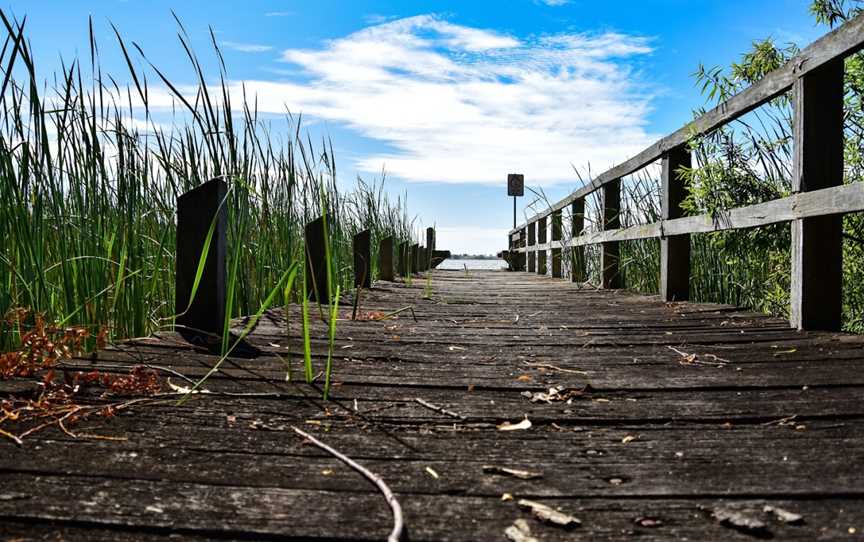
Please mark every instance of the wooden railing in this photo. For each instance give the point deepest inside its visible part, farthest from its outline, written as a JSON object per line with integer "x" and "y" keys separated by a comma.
{"x": 815, "y": 77}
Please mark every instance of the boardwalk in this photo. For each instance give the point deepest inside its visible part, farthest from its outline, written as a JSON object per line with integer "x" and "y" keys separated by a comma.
{"x": 673, "y": 417}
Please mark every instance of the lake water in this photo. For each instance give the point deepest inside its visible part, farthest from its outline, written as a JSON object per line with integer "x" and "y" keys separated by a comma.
{"x": 472, "y": 264}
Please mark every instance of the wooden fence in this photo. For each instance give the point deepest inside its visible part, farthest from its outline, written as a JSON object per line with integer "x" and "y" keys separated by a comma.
{"x": 815, "y": 209}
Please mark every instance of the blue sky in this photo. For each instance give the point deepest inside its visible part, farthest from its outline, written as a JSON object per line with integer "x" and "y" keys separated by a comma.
{"x": 449, "y": 96}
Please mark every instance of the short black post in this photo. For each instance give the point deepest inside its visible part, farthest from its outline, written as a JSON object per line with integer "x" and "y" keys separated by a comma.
{"x": 363, "y": 259}
{"x": 317, "y": 284}
{"x": 578, "y": 272}
{"x": 402, "y": 259}
{"x": 196, "y": 212}
{"x": 413, "y": 259}
{"x": 430, "y": 246}
{"x": 385, "y": 259}
{"x": 530, "y": 249}
{"x": 610, "y": 275}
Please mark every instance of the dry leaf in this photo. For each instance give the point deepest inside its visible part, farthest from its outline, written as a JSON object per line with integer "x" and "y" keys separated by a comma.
{"x": 507, "y": 497}
{"x": 549, "y": 515}
{"x": 519, "y": 532}
{"x": 518, "y": 473}
{"x": 525, "y": 378}
{"x": 432, "y": 473}
{"x": 507, "y": 426}
{"x": 628, "y": 439}
{"x": 646, "y": 521}
{"x": 740, "y": 521}
{"x": 784, "y": 515}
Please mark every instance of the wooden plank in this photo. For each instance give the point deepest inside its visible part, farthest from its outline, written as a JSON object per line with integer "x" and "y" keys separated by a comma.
{"x": 363, "y": 259}
{"x": 674, "y": 249}
{"x": 317, "y": 280}
{"x": 817, "y": 242}
{"x": 837, "y": 44}
{"x": 385, "y": 259}
{"x": 197, "y": 211}
{"x": 610, "y": 276}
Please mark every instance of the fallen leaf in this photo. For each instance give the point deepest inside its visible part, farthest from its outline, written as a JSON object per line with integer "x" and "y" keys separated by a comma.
{"x": 740, "y": 521}
{"x": 549, "y": 515}
{"x": 628, "y": 439}
{"x": 784, "y": 515}
{"x": 518, "y": 473}
{"x": 519, "y": 532}
{"x": 507, "y": 426}
{"x": 327, "y": 472}
{"x": 647, "y": 521}
{"x": 525, "y": 378}
{"x": 432, "y": 473}
{"x": 507, "y": 497}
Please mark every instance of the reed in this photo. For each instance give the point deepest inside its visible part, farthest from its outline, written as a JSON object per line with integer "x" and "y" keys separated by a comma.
{"x": 90, "y": 171}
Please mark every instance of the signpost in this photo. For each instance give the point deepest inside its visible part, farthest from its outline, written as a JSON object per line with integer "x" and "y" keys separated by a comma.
{"x": 515, "y": 188}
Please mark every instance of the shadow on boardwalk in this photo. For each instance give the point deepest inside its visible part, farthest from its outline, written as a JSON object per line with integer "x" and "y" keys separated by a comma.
{"x": 668, "y": 416}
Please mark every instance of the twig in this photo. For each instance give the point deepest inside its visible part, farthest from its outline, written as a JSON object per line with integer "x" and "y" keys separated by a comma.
{"x": 554, "y": 367}
{"x": 394, "y": 313}
{"x": 444, "y": 411}
{"x": 396, "y": 535}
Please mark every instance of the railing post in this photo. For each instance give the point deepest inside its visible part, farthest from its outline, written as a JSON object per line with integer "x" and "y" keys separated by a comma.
{"x": 542, "y": 239}
{"x": 402, "y": 259}
{"x": 675, "y": 249}
{"x": 196, "y": 212}
{"x": 430, "y": 246}
{"x": 363, "y": 259}
{"x": 385, "y": 259}
{"x": 609, "y": 272}
{"x": 817, "y": 242}
{"x": 317, "y": 283}
{"x": 556, "y": 237}
{"x": 577, "y": 254}
{"x": 530, "y": 250}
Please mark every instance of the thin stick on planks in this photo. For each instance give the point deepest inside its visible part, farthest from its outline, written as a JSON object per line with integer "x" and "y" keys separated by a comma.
{"x": 397, "y": 534}
{"x": 439, "y": 409}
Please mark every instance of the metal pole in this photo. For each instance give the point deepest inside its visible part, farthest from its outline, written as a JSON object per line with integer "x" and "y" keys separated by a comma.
{"x": 514, "y": 212}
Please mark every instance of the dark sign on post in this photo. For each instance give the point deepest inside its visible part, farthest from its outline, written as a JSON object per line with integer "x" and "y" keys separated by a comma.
{"x": 515, "y": 184}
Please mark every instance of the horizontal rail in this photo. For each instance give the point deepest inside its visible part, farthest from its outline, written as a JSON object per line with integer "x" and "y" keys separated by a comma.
{"x": 839, "y": 43}
{"x": 827, "y": 201}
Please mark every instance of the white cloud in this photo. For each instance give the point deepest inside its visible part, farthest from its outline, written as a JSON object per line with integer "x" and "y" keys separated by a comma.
{"x": 246, "y": 47}
{"x": 279, "y": 13}
{"x": 459, "y": 104}
{"x": 554, "y": 2}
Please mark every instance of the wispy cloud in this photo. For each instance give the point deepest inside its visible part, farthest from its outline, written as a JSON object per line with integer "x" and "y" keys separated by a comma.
{"x": 462, "y": 104}
{"x": 279, "y": 13}
{"x": 552, "y": 2}
{"x": 246, "y": 47}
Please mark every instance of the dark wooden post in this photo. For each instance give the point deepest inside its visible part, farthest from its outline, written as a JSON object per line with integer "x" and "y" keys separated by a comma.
{"x": 542, "y": 239}
{"x": 577, "y": 254}
{"x": 530, "y": 249}
{"x": 430, "y": 246}
{"x": 317, "y": 283}
{"x": 413, "y": 259}
{"x": 196, "y": 211}
{"x": 363, "y": 259}
{"x": 675, "y": 249}
{"x": 610, "y": 276}
{"x": 556, "y": 236}
{"x": 385, "y": 259}
{"x": 402, "y": 259}
{"x": 817, "y": 243}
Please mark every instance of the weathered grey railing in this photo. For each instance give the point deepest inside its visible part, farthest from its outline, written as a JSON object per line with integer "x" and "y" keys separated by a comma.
{"x": 815, "y": 209}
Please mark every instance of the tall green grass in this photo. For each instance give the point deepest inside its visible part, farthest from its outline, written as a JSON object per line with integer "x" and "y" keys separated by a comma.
{"x": 90, "y": 169}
